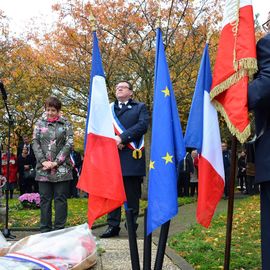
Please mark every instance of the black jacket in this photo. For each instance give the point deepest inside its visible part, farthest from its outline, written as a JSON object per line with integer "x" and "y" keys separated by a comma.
{"x": 134, "y": 118}
{"x": 259, "y": 101}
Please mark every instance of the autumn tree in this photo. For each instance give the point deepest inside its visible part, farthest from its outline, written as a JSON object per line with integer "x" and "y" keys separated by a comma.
{"x": 25, "y": 86}
{"x": 59, "y": 62}
{"x": 126, "y": 32}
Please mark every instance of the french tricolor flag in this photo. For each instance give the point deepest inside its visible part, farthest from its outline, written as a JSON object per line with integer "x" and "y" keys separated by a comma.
{"x": 203, "y": 133}
{"x": 101, "y": 175}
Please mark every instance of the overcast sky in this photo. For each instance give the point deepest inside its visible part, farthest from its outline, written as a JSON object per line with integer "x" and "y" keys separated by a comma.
{"x": 21, "y": 11}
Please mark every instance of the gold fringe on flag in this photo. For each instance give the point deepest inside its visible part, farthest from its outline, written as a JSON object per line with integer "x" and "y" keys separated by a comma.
{"x": 241, "y": 136}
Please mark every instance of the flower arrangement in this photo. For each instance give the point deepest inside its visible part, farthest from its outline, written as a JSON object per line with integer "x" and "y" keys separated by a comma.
{"x": 30, "y": 200}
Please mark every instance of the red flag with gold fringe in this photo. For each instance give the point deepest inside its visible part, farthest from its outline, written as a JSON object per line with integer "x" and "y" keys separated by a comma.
{"x": 235, "y": 61}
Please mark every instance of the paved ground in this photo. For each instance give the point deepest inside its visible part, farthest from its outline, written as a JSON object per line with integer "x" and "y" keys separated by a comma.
{"x": 185, "y": 218}
{"x": 116, "y": 255}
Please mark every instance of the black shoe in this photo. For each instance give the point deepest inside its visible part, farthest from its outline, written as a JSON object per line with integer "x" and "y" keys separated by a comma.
{"x": 110, "y": 232}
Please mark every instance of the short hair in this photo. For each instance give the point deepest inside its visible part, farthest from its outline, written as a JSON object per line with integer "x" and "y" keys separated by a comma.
{"x": 130, "y": 87}
{"x": 53, "y": 102}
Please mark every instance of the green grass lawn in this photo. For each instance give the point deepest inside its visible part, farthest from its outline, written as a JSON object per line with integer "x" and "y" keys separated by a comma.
{"x": 204, "y": 248}
{"x": 77, "y": 213}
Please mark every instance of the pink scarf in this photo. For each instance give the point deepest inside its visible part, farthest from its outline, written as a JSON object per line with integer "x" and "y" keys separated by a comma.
{"x": 53, "y": 119}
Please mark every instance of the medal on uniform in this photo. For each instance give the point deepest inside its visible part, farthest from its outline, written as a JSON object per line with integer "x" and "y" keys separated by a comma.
{"x": 137, "y": 154}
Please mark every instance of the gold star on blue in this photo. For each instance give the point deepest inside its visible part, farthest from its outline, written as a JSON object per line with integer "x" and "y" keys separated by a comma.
{"x": 168, "y": 158}
{"x": 151, "y": 165}
{"x": 166, "y": 91}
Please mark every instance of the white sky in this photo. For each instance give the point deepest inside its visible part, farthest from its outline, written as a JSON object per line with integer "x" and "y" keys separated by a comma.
{"x": 21, "y": 11}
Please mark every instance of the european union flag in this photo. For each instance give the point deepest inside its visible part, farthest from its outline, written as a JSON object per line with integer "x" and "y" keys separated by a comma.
{"x": 167, "y": 146}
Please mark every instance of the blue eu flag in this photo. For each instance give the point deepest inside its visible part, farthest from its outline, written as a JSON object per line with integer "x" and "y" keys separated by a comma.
{"x": 167, "y": 146}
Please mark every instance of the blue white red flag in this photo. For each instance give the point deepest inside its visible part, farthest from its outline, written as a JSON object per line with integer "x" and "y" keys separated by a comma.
{"x": 203, "y": 134}
{"x": 101, "y": 175}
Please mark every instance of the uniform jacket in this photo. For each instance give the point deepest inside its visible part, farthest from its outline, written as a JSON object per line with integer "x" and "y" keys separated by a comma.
{"x": 259, "y": 101}
{"x": 13, "y": 167}
{"x": 134, "y": 117}
{"x": 52, "y": 141}
{"x": 186, "y": 165}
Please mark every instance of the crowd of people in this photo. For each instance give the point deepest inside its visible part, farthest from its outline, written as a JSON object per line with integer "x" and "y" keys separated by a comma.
{"x": 188, "y": 172}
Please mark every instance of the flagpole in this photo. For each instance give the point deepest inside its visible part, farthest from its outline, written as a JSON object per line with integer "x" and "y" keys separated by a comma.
{"x": 164, "y": 231}
{"x": 92, "y": 20}
{"x": 147, "y": 245}
{"x": 230, "y": 205}
{"x": 133, "y": 247}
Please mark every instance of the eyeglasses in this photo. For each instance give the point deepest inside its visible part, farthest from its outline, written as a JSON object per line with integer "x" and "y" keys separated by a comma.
{"x": 121, "y": 87}
{"x": 266, "y": 26}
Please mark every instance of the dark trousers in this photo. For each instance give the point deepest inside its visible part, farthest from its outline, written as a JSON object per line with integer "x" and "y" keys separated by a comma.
{"x": 242, "y": 180}
{"x": 73, "y": 191}
{"x": 193, "y": 188}
{"x": 227, "y": 181}
{"x": 183, "y": 184}
{"x": 59, "y": 192}
{"x": 132, "y": 186}
{"x": 28, "y": 185}
{"x": 265, "y": 225}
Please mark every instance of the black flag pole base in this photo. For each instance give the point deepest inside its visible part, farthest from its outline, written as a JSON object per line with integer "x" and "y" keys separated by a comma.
{"x": 7, "y": 234}
{"x": 147, "y": 245}
{"x": 132, "y": 238}
{"x": 164, "y": 231}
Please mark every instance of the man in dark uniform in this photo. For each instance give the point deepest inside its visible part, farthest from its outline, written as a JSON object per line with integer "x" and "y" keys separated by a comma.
{"x": 227, "y": 165}
{"x": 130, "y": 121}
{"x": 259, "y": 101}
{"x": 186, "y": 168}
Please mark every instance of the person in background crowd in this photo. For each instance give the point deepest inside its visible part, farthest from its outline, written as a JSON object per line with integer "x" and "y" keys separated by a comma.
{"x": 26, "y": 143}
{"x": 52, "y": 143}
{"x": 13, "y": 170}
{"x": 133, "y": 119}
{"x": 185, "y": 170}
{"x": 76, "y": 161}
{"x": 194, "y": 175}
{"x": 252, "y": 188}
{"x": 26, "y": 166}
{"x": 227, "y": 166}
{"x": 259, "y": 101}
{"x": 242, "y": 175}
